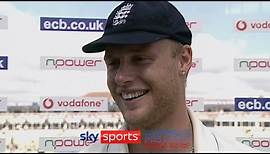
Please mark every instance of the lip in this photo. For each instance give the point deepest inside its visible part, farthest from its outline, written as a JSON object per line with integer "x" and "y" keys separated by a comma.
{"x": 134, "y": 103}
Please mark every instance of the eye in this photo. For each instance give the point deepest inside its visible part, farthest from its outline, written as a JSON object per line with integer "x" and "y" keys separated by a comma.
{"x": 142, "y": 59}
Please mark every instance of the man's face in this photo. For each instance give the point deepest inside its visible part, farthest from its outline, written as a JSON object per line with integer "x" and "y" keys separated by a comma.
{"x": 144, "y": 81}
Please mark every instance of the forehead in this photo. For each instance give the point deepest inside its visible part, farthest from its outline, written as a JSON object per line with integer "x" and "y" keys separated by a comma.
{"x": 112, "y": 50}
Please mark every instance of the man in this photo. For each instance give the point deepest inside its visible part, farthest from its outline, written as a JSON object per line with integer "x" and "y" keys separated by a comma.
{"x": 148, "y": 57}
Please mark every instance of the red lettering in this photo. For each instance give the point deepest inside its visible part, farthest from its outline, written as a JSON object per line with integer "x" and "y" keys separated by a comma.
{"x": 73, "y": 62}
{"x": 70, "y": 61}
{"x": 190, "y": 102}
{"x": 120, "y": 136}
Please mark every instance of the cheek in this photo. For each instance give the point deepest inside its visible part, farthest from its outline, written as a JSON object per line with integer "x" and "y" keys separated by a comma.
{"x": 165, "y": 79}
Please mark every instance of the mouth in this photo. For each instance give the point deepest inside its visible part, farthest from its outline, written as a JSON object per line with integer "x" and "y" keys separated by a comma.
{"x": 132, "y": 95}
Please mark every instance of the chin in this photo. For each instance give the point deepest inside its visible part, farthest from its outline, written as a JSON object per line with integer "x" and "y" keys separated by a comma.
{"x": 135, "y": 121}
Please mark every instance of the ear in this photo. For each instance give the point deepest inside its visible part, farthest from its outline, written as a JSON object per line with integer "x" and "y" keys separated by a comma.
{"x": 185, "y": 60}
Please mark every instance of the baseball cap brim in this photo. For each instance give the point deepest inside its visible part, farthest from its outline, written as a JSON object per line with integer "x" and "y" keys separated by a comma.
{"x": 138, "y": 37}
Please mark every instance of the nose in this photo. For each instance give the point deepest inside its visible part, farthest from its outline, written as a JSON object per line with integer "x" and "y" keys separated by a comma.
{"x": 124, "y": 74}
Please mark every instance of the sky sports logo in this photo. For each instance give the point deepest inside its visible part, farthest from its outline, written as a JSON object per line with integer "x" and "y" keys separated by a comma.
{"x": 64, "y": 144}
{"x": 74, "y": 104}
{"x": 252, "y": 104}
{"x": 252, "y": 25}
{"x": 72, "y": 63}
{"x": 113, "y": 136}
{"x": 3, "y": 22}
{"x": 252, "y": 64}
{"x": 151, "y": 139}
{"x": 3, "y": 62}
{"x": 72, "y": 24}
{"x": 136, "y": 136}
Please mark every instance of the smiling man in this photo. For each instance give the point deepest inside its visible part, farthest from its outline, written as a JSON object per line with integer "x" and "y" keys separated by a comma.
{"x": 145, "y": 81}
{"x": 148, "y": 57}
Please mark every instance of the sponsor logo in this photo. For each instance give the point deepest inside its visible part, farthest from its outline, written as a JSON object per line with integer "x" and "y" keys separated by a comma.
{"x": 3, "y": 62}
{"x": 89, "y": 136}
{"x": 120, "y": 136}
{"x": 64, "y": 144}
{"x": 252, "y": 104}
{"x": 122, "y": 14}
{"x": 3, "y": 104}
{"x": 48, "y": 103}
{"x": 74, "y": 104}
{"x": 255, "y": 64}
{"x": 72, "y": 63}
{"x": 3, "y": 22}
{"x": 72, "y": 24}
{"x": 252, "y": 25}
{"x": 241, "y": 25}
{"x": 259, "y": 143}
{"x": 195, "y": 104}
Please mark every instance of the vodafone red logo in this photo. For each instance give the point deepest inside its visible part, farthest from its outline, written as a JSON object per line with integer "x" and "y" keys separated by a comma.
{"x": 48, "y": 103}
{"x": 64, "y": 103}
{"x": 241, "y": 25}
{"x": 252, "y": 25}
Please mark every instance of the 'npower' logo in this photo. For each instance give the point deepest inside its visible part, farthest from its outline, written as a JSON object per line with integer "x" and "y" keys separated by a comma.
{"x": 252, "y": 25}
{"x": 252, "y": 64}
{"x": 65, "y": 144}
{"x": 73, "y": 104}
{"x": 72, "y": 63}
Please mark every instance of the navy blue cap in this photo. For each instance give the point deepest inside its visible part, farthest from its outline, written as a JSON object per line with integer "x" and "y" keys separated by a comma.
{"x": 138, "y": 22}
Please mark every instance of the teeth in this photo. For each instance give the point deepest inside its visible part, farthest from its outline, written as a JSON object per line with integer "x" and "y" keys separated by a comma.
{"x": 132, "y": 95}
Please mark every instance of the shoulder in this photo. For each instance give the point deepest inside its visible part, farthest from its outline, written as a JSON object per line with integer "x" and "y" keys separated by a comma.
{"x": 229, "y": 145}
{"x": 209, "y": 140}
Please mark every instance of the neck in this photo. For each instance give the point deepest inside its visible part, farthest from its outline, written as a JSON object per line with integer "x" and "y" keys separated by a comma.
{"x": 177, "y": 125}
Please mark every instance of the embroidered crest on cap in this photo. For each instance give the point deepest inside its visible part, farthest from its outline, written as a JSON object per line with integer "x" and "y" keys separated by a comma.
{"x": 122, "y": 14}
